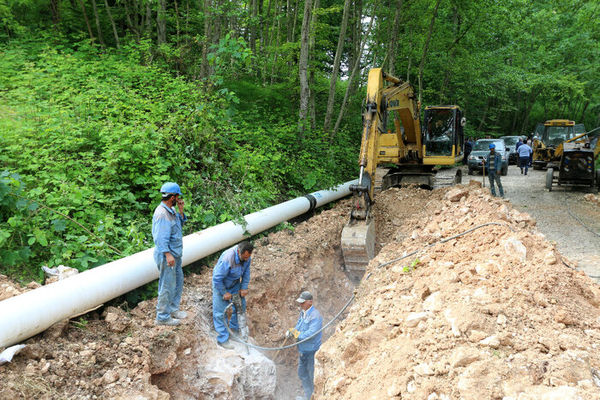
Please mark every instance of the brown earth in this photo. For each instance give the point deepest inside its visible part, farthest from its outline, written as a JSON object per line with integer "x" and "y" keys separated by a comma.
{"x": 493, "y": 313}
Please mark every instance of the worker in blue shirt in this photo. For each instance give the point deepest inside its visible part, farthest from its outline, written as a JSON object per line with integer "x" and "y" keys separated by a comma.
{"x": 168, "y": 241}
{"x": 524, "y": 157}
{"x": 309, "y": 323}
{"x": 230, "y": 276}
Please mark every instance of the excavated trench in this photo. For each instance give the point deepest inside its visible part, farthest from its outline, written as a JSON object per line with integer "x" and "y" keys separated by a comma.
{"x": 284, "y": 264}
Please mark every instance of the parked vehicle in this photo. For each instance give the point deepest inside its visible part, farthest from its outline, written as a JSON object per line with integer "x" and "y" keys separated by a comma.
{"x": 511, "y": 146}
{"x": 481, "y": 148}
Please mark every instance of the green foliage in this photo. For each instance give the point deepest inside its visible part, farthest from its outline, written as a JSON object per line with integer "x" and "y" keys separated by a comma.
{"x": 81, "y": 323}
{"x": 409, "y": 268}
{"x": 88, "y": 137}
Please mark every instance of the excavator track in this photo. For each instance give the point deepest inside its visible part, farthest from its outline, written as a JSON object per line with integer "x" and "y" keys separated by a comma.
{"x": 447, "y": 177}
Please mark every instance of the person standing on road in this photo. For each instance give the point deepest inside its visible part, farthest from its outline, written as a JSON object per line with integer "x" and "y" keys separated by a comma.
{"x": 530, "y": 144}
{"x": 519, "y": 143}
{"x": 168, "y": 240}
{"x": 309, "y": 323}
{"x": 493, "y": 165}
{"x": 524, "y": 157}
{"x": 467, "y": 150}
{"x": 231, "y": 275}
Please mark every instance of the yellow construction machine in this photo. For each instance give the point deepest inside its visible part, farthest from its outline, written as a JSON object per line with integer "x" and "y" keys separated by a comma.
{"x": 411, "y": 150}
{"x": 549, "y": 139}
{"x": 577, "y": 162}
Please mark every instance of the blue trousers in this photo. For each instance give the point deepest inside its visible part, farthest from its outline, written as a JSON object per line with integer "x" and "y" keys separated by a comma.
{"x": 219, "y": 306}
{"x": 524, "y": 163}
{"x": 170, "y": 288}
{"x": 306, "y": 372}
{"x": 495, "y": 177}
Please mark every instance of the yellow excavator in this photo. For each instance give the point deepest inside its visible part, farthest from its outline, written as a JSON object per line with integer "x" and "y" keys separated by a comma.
{"x": 412, "y": 151}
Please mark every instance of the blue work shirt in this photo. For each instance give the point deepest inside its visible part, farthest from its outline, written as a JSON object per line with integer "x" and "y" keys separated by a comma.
{"x": 229, "y": 271}
{"x": 497, "y": 162}
{"x": 167, "y": 232}
{"x": 310, "y": 321}
{"x": 525, "y": 151}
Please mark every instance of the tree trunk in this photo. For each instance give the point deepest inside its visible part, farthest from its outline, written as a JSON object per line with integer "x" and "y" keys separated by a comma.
{"x": 277, "y": 42}
{"x": 311, "y": 79}
{"x": 87, "y": 21}
{"x": 426, "y": 47}
{"x": 176, "y": 20}
{"x": 452, "y": 56}
{"x": 303, "y": 69}
{"x": 336, "y": 66}
{"x": 288, "y": 19}
{"x": 294, "y": 21}
{"x": 530, "y": 102}
{"x": 161, "y": 23}
{"x": 112, "y": 23}
{"x": 55, "y": 9}
{"x": 393, "y": 45}
{"x": 485, "y": 111}
{"x": 148, "y": 19}
{"x": 585, "y": 106}
{"x": 132, "y": 27}
{"x": 98, "y": 28}
{"x": 353, "y": 74}
{"x": 205, "y": 43}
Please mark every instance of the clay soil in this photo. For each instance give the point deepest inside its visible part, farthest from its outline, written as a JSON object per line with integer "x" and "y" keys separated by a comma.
{"x": 496, "y": 313}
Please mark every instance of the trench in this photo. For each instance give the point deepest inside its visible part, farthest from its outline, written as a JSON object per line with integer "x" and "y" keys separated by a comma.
{"x": 284, "y": 264}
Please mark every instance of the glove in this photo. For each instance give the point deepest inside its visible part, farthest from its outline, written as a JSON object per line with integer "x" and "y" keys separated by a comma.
{"x": 292, "y": 332}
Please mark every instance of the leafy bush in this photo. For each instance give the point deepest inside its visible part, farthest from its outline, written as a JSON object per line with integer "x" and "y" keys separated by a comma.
{"x": 88, "y": 137}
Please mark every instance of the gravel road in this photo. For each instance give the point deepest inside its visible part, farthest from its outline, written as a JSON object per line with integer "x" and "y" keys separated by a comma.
{"x": 563, "y": 215}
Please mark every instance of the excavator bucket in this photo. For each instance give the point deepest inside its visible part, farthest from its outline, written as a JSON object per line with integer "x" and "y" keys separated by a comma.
{"x": 358, "y": 245}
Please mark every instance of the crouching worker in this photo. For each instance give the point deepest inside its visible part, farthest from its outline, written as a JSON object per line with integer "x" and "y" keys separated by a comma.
{"x": 309, "y": 323}
{"x": 230, "y": 276}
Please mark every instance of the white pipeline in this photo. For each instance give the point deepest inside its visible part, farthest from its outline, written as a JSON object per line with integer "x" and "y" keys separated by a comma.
{"x": 33, "y": 312}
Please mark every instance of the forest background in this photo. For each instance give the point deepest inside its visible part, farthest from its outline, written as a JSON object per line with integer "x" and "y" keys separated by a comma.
{"x": 244, "y": 103}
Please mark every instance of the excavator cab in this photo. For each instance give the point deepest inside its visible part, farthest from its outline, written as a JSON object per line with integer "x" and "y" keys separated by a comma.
{"x": 443, "y": 135}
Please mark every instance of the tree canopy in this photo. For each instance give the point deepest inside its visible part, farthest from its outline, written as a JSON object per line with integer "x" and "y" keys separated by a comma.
{"x": 246, "y": 103}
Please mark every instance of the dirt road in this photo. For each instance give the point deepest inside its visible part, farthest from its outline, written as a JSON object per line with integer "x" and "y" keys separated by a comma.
{"x": 563, "y": 215}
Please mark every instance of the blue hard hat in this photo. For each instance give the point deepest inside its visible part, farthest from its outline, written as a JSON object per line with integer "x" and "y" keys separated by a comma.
{"x": 171, "y": 188}
{"x": 492, "y": 146}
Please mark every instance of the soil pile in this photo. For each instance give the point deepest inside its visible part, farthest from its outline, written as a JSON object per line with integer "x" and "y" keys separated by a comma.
{"x": 494, "y": 314}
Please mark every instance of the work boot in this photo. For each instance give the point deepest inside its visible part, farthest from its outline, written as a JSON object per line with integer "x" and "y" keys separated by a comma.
{"x": 521, "y": 171}
{"x": 168, "y": 322}
{"x": 235, "y": 333}
{"x": 226, "y": 345}
{"x": 179, "y": 314}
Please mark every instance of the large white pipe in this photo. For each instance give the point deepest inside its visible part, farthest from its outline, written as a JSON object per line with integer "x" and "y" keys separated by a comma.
{"x": 33, "y": 312}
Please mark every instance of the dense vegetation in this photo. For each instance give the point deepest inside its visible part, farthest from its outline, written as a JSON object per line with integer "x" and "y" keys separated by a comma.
{"x": 245, "y": 103}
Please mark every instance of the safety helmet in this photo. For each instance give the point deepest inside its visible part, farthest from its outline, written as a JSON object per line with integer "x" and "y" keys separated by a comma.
{"x": 492, "y": 146}
{"x": 171, "y": 188}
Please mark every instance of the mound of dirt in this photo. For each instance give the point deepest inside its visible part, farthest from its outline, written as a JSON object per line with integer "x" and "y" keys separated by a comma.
{"x": 496, "y": 313}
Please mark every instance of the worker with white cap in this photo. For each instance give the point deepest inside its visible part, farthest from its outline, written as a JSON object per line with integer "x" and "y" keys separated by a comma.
{"x": 309, "y": 323}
